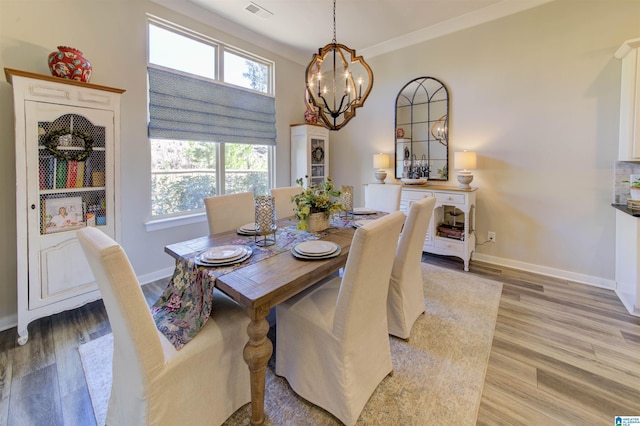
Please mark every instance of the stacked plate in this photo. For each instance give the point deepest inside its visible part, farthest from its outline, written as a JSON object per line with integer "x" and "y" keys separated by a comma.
{"x": 248, "y": 229}
{"x": 363, "y": 210}
{"x": 359, "y": 223}
{"x": 314, "y": 250}
{"x": 224, "y": 255}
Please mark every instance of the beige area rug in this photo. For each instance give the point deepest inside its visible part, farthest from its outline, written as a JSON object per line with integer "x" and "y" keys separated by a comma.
{"x": 438, "y": 374}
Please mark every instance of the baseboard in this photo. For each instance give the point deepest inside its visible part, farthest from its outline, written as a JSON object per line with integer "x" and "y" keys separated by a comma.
{"x": 155, "y": 276}
{"x": 8, "y": 322}
{"x": 550, "y": 272}
{"x": 11, "y": 321}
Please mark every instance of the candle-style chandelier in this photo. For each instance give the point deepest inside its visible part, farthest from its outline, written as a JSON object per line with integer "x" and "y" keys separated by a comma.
{"x": 338, "y": 82}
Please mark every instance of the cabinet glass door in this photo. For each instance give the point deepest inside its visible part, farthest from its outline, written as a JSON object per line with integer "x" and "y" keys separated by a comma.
{"x": 69, "y": 187}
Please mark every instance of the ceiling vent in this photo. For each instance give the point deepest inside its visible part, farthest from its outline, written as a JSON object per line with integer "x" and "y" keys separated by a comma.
{"x": 258, "y": 10}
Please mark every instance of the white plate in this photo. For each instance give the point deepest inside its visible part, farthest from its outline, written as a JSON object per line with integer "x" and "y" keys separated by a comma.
{"x": 359, "y": 223}
{"x": 363, "y": 210}
{"x": 249, "y": 227}
{"x": 202, "y": 262}
{"x": 316, "y": 248}
{"x": 223, "y": 253}
{"x": 307, "y": 257}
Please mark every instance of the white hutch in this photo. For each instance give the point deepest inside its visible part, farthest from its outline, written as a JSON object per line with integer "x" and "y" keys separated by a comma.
{"x": 309, "y": 153}
{"x": 66, "y": 143}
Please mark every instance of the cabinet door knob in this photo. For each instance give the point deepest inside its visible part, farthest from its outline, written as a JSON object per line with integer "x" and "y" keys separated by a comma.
{"x": 33, "y": 206}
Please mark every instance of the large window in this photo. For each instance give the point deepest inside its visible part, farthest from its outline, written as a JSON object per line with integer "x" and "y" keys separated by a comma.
{"x": 211, "y": 120}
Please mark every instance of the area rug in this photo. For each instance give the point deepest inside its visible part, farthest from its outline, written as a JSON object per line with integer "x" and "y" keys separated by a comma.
{"x": 438, "y": 374}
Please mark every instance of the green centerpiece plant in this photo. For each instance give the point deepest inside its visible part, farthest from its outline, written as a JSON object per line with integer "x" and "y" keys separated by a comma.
{"x": 323, "y": 199}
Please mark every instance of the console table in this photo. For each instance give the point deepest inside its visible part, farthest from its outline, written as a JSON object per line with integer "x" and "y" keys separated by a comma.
{"x": 452, "y": 228}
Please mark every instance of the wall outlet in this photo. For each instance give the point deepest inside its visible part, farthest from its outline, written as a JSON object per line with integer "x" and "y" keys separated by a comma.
{"x": 492, "y": 236}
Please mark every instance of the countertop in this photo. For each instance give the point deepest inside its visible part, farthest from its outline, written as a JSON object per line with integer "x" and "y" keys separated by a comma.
{"x": 627, "y": 210}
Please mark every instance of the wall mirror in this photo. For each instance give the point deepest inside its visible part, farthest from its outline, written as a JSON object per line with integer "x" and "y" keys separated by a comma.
{"x": 422, "y": 128}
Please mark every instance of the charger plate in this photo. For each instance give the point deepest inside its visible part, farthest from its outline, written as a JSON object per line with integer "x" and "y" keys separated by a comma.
{"x": 316, "y": 248}
{"x": 325, "y": 256}
{"x": 363, "y": 210}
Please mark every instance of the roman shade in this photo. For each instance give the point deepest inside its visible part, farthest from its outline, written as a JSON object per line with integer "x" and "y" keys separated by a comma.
{"x": 186, "y": 107}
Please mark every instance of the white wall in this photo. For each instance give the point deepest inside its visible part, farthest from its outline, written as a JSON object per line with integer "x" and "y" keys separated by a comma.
{"x": 112, "y": 35}
{"x": 536, "y": 94}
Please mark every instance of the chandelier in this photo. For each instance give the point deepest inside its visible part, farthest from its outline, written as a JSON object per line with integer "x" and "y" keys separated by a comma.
{"x": 338, "y": 82}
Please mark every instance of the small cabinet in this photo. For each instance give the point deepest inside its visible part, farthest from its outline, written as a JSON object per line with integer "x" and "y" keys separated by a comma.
{"x": 452, "y": 228}
{"x": 66, "y": 140}
{"x": 309, "y": 153}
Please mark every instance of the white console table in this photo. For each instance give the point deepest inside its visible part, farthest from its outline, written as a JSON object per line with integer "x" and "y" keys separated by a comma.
{"x": 454, "y": 206}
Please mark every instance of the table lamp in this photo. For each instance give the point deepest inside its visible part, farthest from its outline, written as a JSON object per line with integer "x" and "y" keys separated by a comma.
{"x": 465, "y": 161}
{"x": 380, "y": 162}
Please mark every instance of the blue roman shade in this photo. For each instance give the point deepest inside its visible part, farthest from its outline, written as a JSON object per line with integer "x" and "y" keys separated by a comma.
{"x": 184, "y": 107}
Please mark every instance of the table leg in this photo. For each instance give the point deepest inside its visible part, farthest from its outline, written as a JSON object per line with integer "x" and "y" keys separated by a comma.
{"x": 256, "y": 354}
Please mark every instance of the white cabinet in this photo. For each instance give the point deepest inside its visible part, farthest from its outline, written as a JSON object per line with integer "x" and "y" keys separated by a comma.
{"x": 309, "y": 153}
{"x": 629, "y": 136}
{"x": 628, "y": 261}
{"x": 452, "y": 228}
{"x": 67, "y": 142}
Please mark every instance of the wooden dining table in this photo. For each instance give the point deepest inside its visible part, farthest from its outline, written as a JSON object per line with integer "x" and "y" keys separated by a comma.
{"x": 260, "y": 286}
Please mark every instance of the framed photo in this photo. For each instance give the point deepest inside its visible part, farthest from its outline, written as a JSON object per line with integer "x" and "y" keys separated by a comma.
{"x": 63, "y": 214}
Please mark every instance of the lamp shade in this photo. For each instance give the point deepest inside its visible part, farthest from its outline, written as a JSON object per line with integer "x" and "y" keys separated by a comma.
{"x": 465, "y": 160}
{"x": 380, "y": 161}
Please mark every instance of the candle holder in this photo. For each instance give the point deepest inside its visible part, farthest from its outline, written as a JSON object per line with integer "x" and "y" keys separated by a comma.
{"x": 346, "y": 198}
{"x": 265, "y": 220}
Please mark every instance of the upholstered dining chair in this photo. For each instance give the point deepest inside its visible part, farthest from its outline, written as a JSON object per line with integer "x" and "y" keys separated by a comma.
{"x": 153, "y": 383}
{"x": 333, "y": 343}
{"x": 230, "y": 211}
{"x": 383, "y": 197}
{"x": 282, "y": 200}
{"x": 405, "y": 302}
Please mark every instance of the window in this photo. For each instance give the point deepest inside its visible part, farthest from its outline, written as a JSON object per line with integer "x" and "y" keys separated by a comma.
{"x": 211, "y": 120}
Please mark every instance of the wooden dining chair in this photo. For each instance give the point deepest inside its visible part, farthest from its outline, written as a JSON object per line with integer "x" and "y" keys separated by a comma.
{"x": 204, "y": 382}
{"x": 282, "y": 200}
{"x": 332, "y": 339}
{"x": 405, "y": 302}
{"x": 383, "y": 197}
{"x": 230, "y": 211}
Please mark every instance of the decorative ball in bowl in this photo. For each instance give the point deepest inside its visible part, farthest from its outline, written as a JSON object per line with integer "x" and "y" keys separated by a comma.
{"x": 419, "y": 181}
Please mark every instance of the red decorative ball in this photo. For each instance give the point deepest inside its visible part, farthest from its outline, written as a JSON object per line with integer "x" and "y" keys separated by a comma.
{"x": 69, "y": 63}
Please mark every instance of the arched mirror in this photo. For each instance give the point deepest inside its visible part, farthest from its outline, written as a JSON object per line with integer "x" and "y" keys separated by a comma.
{"x": 422, "y": 127}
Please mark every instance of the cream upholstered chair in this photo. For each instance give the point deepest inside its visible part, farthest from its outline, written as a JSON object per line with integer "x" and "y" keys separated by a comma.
{"x": 230, "y": 211}
{"x": 332, "y": 339}
{"x": 153, "y": 383}
{"x": 282, "y": 199}
{"x": 383, "y": 197}
{"x": 405, "y": 302}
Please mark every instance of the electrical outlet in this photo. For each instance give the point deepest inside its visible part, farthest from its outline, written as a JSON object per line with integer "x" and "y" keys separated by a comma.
{"x": 492, "y": 236}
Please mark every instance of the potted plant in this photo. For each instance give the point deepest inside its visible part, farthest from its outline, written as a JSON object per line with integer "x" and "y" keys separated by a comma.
{"x": 315, "y": 204}
{"x": 634, "y": 186}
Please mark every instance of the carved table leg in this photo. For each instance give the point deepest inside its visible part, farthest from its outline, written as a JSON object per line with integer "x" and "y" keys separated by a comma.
{"x": 256, "y": 354}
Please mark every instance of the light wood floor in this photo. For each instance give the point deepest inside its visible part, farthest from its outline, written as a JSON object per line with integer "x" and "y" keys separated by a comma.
{"x": 562, "y": 354}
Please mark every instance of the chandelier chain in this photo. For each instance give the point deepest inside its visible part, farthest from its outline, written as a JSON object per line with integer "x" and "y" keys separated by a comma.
{"x": 335, "y": 40}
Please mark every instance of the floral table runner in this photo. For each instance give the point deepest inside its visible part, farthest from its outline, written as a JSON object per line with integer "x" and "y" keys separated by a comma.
{"x": 185, "y": 305}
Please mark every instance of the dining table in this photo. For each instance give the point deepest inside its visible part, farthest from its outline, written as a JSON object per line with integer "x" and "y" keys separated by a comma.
{"x": 273, "y": 276}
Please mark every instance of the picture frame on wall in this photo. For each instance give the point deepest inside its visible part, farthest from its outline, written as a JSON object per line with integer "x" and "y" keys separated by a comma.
{"x": 63, "y": 214}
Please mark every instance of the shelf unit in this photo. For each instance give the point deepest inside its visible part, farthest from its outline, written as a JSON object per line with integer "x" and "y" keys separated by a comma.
{"x": 309, "y": 153}
{"x": 67, "y": 141}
